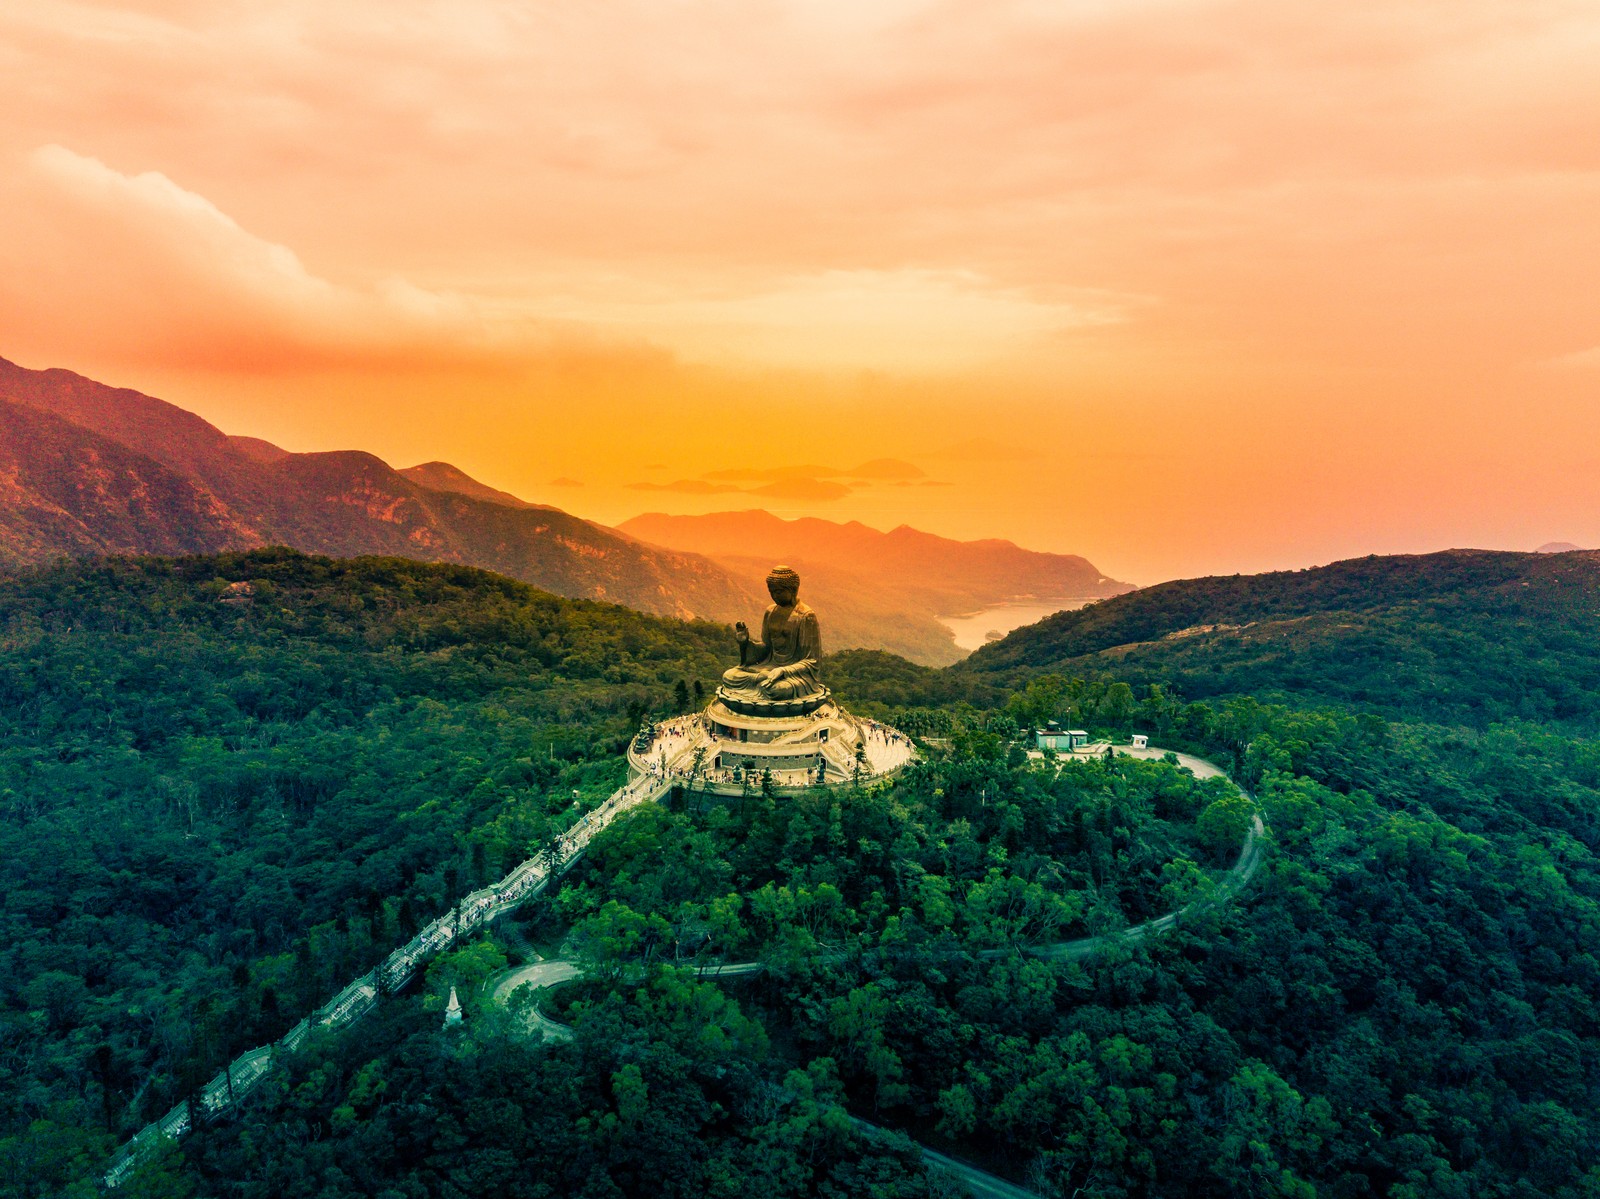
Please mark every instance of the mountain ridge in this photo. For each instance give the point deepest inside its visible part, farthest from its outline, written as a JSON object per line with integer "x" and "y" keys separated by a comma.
{"x": 1457, "y": 636}
{"x": 852, "y": 568}
{"x": 954, "y": 577}
{"x": 442, "y": 476}
{"x": 150, "y": 477}
{"x": 240, "y": 496}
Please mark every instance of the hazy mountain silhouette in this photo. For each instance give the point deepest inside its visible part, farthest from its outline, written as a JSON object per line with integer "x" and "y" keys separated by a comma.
{"x": 945, "y": 576}
{"x": 856, "y": 573}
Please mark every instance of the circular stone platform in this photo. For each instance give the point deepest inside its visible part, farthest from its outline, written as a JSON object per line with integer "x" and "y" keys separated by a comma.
{"x": 823, "y": 746}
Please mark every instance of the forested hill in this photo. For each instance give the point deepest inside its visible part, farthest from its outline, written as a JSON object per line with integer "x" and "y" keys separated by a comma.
{"x": 230, "y": 784}
{"x": 227, "y": 784}
{"x": 410, "y": 628}
{"x": 1464, "y": 636}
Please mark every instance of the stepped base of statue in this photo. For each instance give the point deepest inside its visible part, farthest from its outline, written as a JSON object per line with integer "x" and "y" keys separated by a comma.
{"x": 773, "y": 726}
{"x": 750, "y": 703}
{"x": 732, "y": 750}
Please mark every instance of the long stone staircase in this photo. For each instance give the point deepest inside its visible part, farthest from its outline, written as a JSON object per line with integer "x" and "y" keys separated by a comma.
{"x": 245, "y": 1072}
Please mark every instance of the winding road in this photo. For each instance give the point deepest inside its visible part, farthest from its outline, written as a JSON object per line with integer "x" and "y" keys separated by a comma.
{"x": 544, "y": 974}
{"x": 530, "y": 879}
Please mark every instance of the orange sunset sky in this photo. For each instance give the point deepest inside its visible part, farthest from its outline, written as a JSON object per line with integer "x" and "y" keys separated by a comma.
{"x": 1185, "y": 286}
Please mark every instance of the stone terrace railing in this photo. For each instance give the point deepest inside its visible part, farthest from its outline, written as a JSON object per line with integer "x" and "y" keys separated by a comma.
{"x": 246, "y": 1071}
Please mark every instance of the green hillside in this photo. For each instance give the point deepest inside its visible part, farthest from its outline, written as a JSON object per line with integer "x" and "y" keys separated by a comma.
{"x": 230, "y": 783}
{"x": 227, "y": 784}
{"x": 1464, "y": 636}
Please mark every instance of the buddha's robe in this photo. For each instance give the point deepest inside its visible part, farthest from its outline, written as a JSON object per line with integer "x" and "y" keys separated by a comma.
{"x": 790, "y": 647}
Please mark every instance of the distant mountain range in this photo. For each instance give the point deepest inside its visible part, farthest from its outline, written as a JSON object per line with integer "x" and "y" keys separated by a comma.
{"x": 850, "y": 566}
{"x": 950, "y": 577}
{"x": 1462, "y": 636}
{"x": 90, "y": 469}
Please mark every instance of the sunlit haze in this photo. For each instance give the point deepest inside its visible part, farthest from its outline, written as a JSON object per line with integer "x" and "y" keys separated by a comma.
{"x": 1185, "y": 286}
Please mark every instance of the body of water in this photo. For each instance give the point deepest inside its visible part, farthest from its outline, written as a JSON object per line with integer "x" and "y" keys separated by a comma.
{"x": 973, "y": 630}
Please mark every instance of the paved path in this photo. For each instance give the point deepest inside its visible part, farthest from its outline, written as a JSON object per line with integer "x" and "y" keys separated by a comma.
{"x": 542, "y": 974}
{"x": 359, "y": 997}
{"x": 979, "y": 1183}
{"x": 536, "y": 977}
{"x": 241, "y": 1075}
{"x": 1201, "y": 768}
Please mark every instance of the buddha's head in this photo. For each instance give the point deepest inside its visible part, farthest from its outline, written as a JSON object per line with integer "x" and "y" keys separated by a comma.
{"x": 783, "y": 585}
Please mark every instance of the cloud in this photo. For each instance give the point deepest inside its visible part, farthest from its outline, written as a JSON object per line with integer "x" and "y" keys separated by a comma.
{"x": 907, "y": 319}
{"x": 1220, "y": 230}
{"x": 810, "y": 483}
{"x": 163, "y": 275}
{"x": 1581, "y": 360}
{"x": 877, "y": 469}
{"x": 687, "y": 487}
{"x": 748, "y": 473}
{"x": 914, "y": 186}
{"x": 167, "y": 275}
{"x": 782, "y": 487}
{"x": 884, "y": 469}
{"x": 565, "y": 481}
{"x": 805, "y": 490}
{"x": 179, "y": 279}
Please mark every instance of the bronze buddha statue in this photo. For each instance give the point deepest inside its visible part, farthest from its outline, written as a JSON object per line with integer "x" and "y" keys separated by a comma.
{"x": 783, "y": 664}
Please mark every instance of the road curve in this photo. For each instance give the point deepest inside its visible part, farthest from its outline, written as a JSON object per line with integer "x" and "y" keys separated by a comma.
{"x": 980, "y": 1183}
{"x": 538, "y": 976}
{"x": 529, "y": 879}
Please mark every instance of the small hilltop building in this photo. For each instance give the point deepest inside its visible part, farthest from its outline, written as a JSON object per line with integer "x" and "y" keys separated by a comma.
{"x": 1062, "y": 741}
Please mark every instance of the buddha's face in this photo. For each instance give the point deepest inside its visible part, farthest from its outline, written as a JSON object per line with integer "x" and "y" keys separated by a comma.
{"x": 783, "y": 594}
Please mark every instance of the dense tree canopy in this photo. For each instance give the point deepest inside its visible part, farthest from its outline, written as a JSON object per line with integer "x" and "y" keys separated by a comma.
{"x": 218, "y": 801}
{"x": 229, "y": 784}
{"x": 1465, "y": 637}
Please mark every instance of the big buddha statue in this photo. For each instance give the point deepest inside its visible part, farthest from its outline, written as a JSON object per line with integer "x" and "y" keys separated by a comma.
{"x": 779, "y": 668}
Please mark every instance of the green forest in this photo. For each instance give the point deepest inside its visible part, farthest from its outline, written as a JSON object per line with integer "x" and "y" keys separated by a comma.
{"x": 1459, "y": 637}
{"x": 228, "y": 784}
